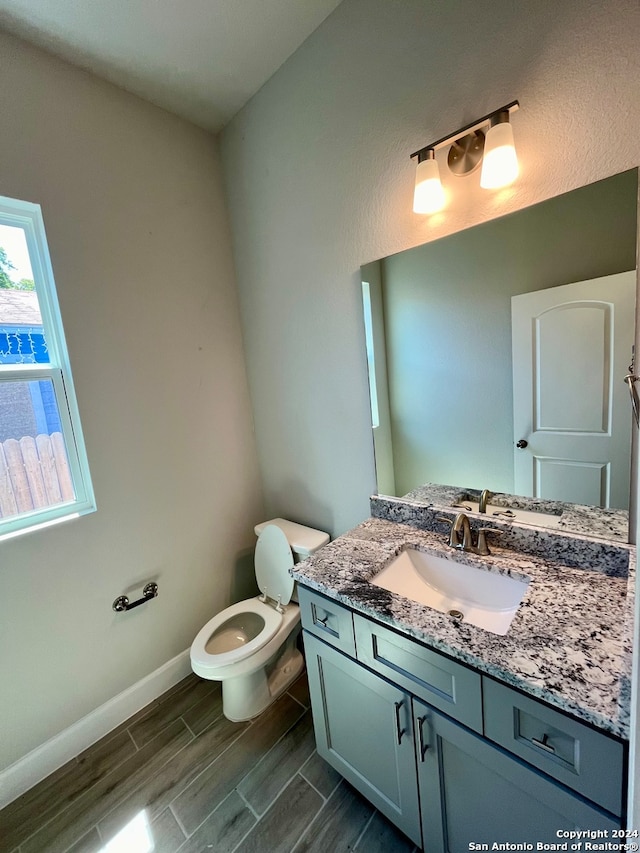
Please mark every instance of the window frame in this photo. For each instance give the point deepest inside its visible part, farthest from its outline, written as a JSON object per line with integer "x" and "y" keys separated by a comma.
{"x": 371, "y": 354}
{"x": 28, "y": 216}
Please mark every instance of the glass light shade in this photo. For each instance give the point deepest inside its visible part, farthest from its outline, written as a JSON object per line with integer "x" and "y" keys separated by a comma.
{"x": 500, "y": 162}
{"x": 429, "y": 194}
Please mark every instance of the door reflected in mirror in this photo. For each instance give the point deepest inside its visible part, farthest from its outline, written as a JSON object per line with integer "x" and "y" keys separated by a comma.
{"x": 554, "y": 285}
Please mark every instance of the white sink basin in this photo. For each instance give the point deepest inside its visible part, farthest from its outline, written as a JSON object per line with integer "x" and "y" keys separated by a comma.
{"x": 486, "y": 599}
{"x": 526, "y": 516}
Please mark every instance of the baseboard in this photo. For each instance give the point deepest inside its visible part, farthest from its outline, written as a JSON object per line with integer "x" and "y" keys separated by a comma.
{"x": 53, "y": 753}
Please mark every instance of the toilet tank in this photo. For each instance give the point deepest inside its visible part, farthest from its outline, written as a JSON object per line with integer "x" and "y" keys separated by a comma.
{"x": 303, "y": 541}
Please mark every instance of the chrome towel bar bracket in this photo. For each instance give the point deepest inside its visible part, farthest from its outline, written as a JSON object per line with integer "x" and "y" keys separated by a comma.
{"x": 122, "y": 602}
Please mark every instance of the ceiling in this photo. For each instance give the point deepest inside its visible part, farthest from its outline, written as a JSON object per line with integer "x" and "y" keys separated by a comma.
{"x": 200, "y": 59}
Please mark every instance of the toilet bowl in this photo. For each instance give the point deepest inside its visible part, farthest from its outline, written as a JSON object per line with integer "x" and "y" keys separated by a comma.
{"x": 251, "y": 646}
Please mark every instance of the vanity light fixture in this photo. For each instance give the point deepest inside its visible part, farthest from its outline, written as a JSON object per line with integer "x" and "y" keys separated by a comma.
{"x": 500, "y": 162}
{"x": 429, "y": 194}
{"x": 467, "y": 147}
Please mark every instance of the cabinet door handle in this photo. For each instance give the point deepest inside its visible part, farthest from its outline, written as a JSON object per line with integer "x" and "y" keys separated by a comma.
{"x": 422, "y": 746}
{"x": 543, "y": 744}
{"x": 399, "y": 730}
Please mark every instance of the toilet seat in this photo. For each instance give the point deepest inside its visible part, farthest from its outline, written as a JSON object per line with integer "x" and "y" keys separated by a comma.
{"x": 201, "y": 659}
{"x": 273, "y": 560}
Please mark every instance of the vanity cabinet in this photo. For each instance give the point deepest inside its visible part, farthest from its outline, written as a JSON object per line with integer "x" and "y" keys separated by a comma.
{"x": 450, "y": 756}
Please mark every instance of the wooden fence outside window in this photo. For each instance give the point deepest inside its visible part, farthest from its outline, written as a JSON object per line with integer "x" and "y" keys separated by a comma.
{"x": 34, "y": 473}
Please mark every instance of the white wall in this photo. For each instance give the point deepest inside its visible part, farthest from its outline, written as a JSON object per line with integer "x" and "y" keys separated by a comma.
{"x": 139, "y": 241}
{"x": 319, "y": 181}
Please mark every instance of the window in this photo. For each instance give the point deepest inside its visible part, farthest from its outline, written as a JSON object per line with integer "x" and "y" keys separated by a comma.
{"x": 44, "y": 475}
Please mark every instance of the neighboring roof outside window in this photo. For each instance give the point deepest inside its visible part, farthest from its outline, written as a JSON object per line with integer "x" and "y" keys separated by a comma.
{"x": 19, "y": 308}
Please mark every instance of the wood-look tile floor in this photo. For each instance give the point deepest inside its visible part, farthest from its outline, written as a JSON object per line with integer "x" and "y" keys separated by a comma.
{"x": 198, "y": 782}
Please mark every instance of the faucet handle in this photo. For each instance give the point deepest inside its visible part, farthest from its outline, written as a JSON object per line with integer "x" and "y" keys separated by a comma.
{"x": 483, "y": 532}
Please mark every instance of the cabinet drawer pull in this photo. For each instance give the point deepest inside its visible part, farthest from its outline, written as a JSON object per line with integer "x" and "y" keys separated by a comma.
{"x": 322, "y": 621}
{"x": 422, "y": 746}
{"x": 543, "y": 744}
{"x": 399, "y": 730}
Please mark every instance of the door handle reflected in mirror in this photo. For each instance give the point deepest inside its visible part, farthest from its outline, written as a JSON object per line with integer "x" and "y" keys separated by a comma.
{"x": 522, "y": 443}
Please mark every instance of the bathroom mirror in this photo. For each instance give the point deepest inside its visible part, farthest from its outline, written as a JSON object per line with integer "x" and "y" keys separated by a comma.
{"x": 438, "y": 324}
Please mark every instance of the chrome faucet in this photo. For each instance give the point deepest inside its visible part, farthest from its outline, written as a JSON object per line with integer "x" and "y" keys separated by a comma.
{"x": 461, "y": 525}
{"x": 484, "y": 498}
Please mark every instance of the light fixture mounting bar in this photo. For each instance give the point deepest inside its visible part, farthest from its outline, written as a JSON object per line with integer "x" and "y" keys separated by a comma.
{"x": 422, "y": 154}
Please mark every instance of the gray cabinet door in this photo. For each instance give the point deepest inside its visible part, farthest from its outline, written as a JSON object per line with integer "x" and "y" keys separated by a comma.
{"x": 363, "y": 727}
{"x": 474, "y": 793}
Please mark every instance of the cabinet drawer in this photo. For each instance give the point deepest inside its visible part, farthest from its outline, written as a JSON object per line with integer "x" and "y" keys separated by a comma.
{"x": 443, "y": 683}
{"x": 583, "y": 759}
{"x": 327, "y": 619}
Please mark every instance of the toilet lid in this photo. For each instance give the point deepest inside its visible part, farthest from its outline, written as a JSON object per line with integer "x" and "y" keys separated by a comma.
{"x": 272, "y": 561}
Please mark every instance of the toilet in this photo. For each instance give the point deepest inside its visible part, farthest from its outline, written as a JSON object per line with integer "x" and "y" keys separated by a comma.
{"x": 251, "y": 646}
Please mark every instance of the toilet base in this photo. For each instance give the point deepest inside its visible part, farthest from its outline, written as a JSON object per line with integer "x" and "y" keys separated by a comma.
{"x": 245, "y": 697}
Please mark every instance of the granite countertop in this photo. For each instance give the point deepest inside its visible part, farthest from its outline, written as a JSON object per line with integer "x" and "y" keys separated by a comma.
{"x": 570, "y": 643}
{"x": 592, "y": 521}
